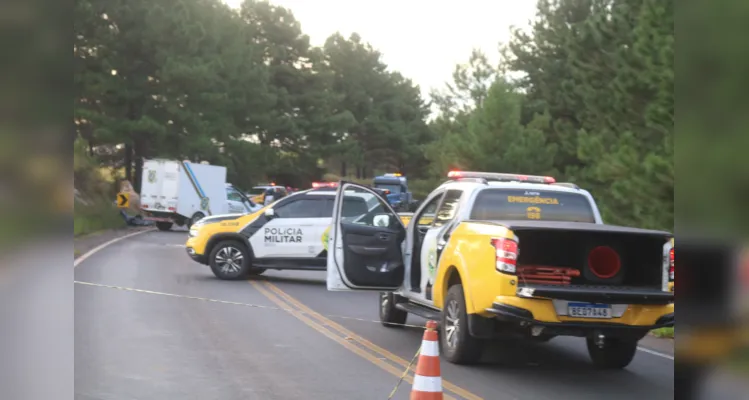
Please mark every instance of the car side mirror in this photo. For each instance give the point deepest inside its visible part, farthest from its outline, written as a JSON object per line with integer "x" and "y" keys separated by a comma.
{"x": 269, "y": 213}
{"x": 382, "y": 220}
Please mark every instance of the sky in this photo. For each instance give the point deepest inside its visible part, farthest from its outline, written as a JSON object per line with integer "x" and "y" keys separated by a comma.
{"x": 422, "y": 39}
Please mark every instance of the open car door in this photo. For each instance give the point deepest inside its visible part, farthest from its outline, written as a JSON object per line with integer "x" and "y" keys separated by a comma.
{"x": 365, "y": 242}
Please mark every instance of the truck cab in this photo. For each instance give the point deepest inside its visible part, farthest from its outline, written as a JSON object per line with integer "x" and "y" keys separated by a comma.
{"x": 491, "y": 255}
{"x": 397, "y": 187}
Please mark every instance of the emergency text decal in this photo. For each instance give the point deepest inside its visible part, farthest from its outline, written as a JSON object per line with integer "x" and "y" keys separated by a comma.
{"x": 532, "y": 200}
{"x": 283, "y": 235}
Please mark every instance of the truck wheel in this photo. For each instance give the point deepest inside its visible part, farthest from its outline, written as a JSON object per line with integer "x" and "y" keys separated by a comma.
{"x": 616, "y": 353}
{"x": 458, "y": 346}
{"x": 389, "y": 315}
{"x": 230, "y": 260}
{"x": 195, "y": 218}
{"x": 164, "y": 226}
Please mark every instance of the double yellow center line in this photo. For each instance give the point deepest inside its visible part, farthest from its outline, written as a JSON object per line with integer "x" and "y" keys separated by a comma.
{"x": 348, "y": 339}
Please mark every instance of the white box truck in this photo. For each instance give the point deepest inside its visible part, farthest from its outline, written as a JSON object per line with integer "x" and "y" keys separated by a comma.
{"x": 181, "y": 193}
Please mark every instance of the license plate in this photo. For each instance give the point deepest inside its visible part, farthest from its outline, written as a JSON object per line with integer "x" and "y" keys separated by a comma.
{"x": 587, "y": 310}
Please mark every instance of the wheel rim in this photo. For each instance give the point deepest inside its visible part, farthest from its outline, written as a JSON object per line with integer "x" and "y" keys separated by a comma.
{"x": 384, "y": 303}
{"x": 452, "y": 324}
{"x": 229, "y": 260}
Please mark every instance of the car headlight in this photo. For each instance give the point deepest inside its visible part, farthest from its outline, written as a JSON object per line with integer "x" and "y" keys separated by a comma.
{"x": 193, "y": 232}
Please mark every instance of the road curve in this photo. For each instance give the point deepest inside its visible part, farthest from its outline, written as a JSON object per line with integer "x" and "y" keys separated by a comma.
{"x": 152, "y": 324}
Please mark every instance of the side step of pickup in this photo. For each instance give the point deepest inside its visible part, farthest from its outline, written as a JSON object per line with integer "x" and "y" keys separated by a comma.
{"x": 418, "y": 309}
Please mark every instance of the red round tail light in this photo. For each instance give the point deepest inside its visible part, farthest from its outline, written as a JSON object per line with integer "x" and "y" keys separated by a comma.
{"x": 604, "y": 262}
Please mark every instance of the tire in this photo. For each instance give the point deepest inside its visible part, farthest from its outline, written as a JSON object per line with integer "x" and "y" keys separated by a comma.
{"x": 460, "y": 347}
{"x": 195, "y": 218}
{"x": 616, "y": 353}
{"x": 164, "y": 226}
{"x": 239, "y": 266}
{"x": 390, "y": 316}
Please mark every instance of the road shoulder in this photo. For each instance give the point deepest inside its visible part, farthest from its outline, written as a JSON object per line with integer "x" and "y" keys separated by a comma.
{"x": 86, "y": 243}
{"x": 661, "y": 345}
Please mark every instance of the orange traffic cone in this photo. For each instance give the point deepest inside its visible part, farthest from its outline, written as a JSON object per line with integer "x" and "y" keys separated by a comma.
{"x": 427, "y": 378}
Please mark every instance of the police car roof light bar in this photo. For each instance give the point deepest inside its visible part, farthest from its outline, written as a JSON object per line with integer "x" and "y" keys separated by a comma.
{"x": 316, "y": 185}
{"x": 566, "y": 184}
{"x": 493, "y": 176}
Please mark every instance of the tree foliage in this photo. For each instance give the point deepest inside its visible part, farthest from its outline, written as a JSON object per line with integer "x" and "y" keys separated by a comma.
{"x": 585, "y": 93}
{"x": 593, "y": 104}
{"x": 194, "y": 79}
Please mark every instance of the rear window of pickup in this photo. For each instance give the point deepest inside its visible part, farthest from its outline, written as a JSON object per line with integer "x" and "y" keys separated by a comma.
{"x": 522, "y": 204}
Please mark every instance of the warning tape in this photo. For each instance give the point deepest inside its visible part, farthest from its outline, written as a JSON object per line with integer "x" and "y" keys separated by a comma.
{"x": 408, "y": 367}
{"x": 236, "y": 303}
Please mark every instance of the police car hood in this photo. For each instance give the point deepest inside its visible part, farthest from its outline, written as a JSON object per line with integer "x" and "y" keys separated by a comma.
{"x": 522, "y": 225}
{"x": 219, "y": 218}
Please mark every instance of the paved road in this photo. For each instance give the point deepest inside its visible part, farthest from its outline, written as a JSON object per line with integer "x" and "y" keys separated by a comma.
{"x": 284, "y": 337}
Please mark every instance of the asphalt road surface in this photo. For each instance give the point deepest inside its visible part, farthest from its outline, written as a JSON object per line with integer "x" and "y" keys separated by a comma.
{"x": 187, "y": 335}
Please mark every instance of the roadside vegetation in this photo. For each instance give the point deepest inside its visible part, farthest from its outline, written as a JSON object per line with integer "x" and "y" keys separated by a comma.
{"x": 664, "y": 333}
{"x": 94, "y": 208}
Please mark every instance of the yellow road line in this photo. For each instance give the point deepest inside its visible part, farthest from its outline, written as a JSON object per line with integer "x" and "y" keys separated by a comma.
{"x": 364, "y": 342}
{"x": 343, "y": 342}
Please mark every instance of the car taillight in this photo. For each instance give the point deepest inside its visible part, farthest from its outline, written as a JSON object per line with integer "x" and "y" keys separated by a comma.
{"x": 506, "y": 253}
{"x": 671, "y": 265}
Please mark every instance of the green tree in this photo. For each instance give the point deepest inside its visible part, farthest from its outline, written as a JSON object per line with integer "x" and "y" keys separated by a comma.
{"x": 301, "y": 125}
{"x": 495, "y": 139}
{"x": 603, "y": 70}
{"x": 170, "y": 78}
{"x": 456, "y": 104}
{"x": 387, "y": 109}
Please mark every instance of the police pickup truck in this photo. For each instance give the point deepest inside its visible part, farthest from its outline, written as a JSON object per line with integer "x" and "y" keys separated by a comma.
{"x": 290, "y": 233}
{"x": 492, "y": 255}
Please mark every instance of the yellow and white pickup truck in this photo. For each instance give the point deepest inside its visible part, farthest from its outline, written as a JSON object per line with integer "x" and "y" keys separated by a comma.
{"x": 493, "y": 255}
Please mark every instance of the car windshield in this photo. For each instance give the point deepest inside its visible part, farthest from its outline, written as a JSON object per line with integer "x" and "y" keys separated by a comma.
{"x": 522, "y": 204}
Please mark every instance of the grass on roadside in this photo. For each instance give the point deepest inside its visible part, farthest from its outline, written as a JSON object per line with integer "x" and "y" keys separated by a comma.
{"x": 664, "y": 332}
{"x": 94, "y": 208}
{"x": 99, "y": 216}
